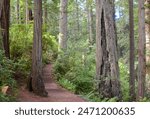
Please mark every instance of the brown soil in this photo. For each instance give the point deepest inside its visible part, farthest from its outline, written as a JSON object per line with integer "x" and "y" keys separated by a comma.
{"x": 55, "y": 92}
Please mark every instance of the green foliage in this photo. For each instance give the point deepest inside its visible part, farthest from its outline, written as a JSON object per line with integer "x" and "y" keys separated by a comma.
{"x": 122, "y": 23}
{"x": 95, "y": 97}
{"x": 6, "y": 77}
{"x": 6, "y": 71}
{"x": 145, "y": 99}
{"x": 76, "y": 68}
{"x": 7, "y": 98}
{"x": 67, "y": 84}
{"x": 50, "y": 47}
{"x": 21, "y": 49}
{"x": 3, "y": 98}
{"x": 124, "y": 78}
{"x": 21, "y": 40}
{"x": 75, "y": 71}
{"x": 92, "y": 96}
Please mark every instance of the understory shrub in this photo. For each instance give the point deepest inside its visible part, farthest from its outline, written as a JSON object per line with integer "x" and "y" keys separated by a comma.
{"x": 75, "y": 69}
{"x": 7, "y": 78}
{"x": 124, "y": 80}
{"x": 22, "y": 40}
{"x": 21, "y": 49}
{"x": 50, "y": 47}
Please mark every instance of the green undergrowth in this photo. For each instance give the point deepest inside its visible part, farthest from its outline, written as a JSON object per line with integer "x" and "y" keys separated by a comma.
{"x": 15, "y": 72}
{"x": 21, "y": 49}
{"x": 124, "y": 80}
{"x": 7, "y": 71}
{"x": 75, "y": 71}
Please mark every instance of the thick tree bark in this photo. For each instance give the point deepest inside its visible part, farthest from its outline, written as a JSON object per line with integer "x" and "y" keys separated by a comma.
{"x": 63, "y": 25}
{"x": 141, "y": 52}
{"x": 132, "y": 70}
{"x": 37, "y": 79}
{"x": 5, "y": 26}
{"x": 107, "y": 70}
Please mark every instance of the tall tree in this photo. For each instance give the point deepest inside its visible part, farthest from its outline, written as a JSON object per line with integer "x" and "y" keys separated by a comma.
{"x": 1, "y": 3}
{"x": 30, "y": 11}
{"x": 18, "y": 11}
{"x": 90, "y": 21}
{"x": 107, "y": 69}
{"x": 132, "y": 74}
{"x": 27, "y": 11}
{"x": 141, "y": 52}
{"x": 37, "y": 82}
{"x": 5, "y": 26}
{"x": 29, "y": 14}
{"x": 147, "y": 30}
{"x": 45, "y": 12}
{"x": 77, "y": 20}
{"x": 1, "y": 40}
{"x": 63, "y": 25}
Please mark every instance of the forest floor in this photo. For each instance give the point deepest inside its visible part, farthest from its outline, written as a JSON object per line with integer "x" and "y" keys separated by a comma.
{"x": 55, "y": 92}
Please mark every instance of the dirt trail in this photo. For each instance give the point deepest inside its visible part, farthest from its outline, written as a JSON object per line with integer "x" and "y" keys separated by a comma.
{"x": 55, "y": 92}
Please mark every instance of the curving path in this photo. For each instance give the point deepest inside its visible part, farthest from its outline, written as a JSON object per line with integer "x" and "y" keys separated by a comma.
{"x": 55, "y": 92}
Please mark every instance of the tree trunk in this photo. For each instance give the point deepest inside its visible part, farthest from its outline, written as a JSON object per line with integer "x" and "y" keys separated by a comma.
{"x": 90, "y": 23}
{"x": 45, "y": 12}
{"x": 147, "y": 31}
{"x": 107, "y": 70}
{"x": 141, "y": 52}
{"x": 63, "y": 25}
{"x": 30, "y": 15}
{"x": 30, "y": 12}
{"x": 5, "y": 26}
{"x": 77, "y": 20}
{"x": 37, "y": 79}
{"x": 132, "y": 70}
{"x": 18, "y": 11}
{"x": 1, "y": 39}
{"x": 1, "y": 4}
{"x": 27, "y": 12}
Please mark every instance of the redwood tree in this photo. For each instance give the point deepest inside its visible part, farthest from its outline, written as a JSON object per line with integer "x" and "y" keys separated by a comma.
{"x": 63, "y": 25}
{"x": 27, "y": 11}
{"x": 141, "y": 52}
{"x": 4, "y": 21}
{"x": 90, "y": 21}
{"x": 45, "y": 13}
{"x": 1, "y": 3}
{"x": 107, "y": 70}
{"x": 132, "y": 70}
{"x": 37, "y": 82}
{"x": 1, "y": 43}
{"x": 147, "y": 31}
{"x": 18, "y": 11}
